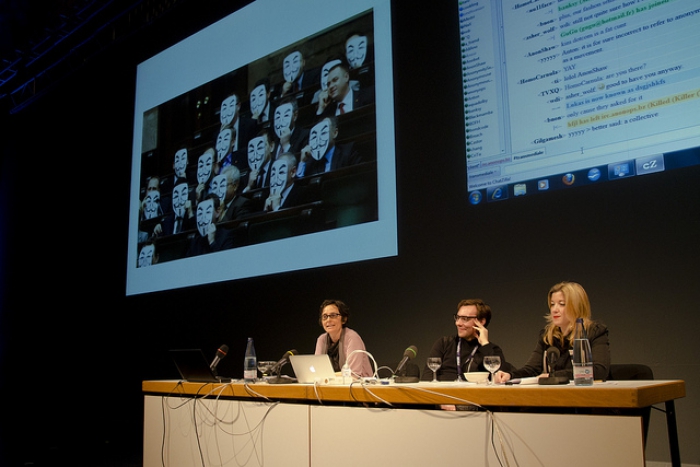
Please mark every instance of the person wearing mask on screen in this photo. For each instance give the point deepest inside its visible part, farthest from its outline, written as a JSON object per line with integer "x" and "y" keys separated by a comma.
{"x": 260, "y": 151}
{"x": 181, "y": 218}
{"x": 567, "y": 301}
{"x": 465, "y": 352}
{"x": 284, "y": 193}
{"x": 147, "y": 255}
{"x": 358, "y": 53}
{"x": 356, "y": 49}
{"x": 322, "y": 154}
{"x": 340, "y": 97}
{"x": 210, "y": 238}
{"x": 205, "y": 172}
{"x": 225, "y": 141}
{"x": 298, "y": 79}
{"x": 339, "y": 341}
{"x": 260, "y": 106}
{"x": 292, "y": 138}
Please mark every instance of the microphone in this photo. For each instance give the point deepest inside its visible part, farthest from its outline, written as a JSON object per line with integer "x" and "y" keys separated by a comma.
{"x": 277, "y": 367}
{"x": 409, "y": 353}
{"x": 220, "y": 354}
{"x": 553, "y": 355}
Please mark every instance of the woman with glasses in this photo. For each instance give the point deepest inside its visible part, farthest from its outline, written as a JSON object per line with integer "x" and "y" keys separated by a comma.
{"x": 339, "y": 341}
{"x": 567, "y": 301}
{"x": 465, "y": 351}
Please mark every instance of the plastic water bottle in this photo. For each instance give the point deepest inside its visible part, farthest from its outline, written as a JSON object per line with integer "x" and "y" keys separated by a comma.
{"x": 583, "y": 359}
{"x": 347, "y": 374}
{"x": 250, "y": 363}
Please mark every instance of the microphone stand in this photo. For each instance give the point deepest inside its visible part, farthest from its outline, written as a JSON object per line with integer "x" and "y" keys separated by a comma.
{"x": 552, "y": 380}
{"x": 401, "y": 378}
{"x": 281, "y": 379}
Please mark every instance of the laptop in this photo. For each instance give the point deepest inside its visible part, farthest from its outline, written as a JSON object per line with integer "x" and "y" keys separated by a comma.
{"x": 310, "y": 369}
{"x": 193, "y": 366}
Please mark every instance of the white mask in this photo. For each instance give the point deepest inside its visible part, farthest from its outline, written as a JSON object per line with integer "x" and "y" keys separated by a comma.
{"x": 278, "y": 176}
{"x": 324, "y": 73}
{"x": 218, "y": 186}
{"x": 291, "y": 67}
{"x": 256, "y": 152}
{"x": 258, "y": 100}
{"x": 228, "y": 110}
{"x": 223, "y": 143}
{"x": 319, "y": 138}
{"x": 151, "y": 205}
{"x": 146, "y": 255}
{"x": 283, "y": 118}
{"x": 204, "y": 167}
{"x": 356, "y": 51}
{"x": 180, "y": 199}
{"x": 180, "y": 164}
{"x": 205, "y": 214}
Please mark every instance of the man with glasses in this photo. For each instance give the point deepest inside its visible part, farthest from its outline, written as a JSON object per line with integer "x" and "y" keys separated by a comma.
{"x": 465, "y": 351}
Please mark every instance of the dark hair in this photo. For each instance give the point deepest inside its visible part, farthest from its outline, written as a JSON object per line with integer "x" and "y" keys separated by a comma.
{"x": 290, "y": 100}
{"x": 215, "y": 198}
{"x": 342, "y": 308}
{"x": 483, "y": 311}
{"x": 265, "y": 80}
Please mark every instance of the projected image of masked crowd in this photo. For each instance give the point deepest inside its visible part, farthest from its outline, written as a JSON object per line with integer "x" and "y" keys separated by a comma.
{"x": 257, "y": 155}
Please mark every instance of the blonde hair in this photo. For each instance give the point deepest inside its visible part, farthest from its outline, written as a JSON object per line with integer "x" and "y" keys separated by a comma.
{"x": 577, "y": 306}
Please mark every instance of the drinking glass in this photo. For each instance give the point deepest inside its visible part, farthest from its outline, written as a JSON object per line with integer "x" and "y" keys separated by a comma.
{"x": 264, "y": 366}
{"x": 492, "y": 363}
{"x": 434, "y": 363}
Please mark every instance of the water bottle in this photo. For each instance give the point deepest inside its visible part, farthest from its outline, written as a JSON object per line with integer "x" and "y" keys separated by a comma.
{"x": 583, "y": 359}
{"x": 250, "y": 363}
{"x": 347, "y": 374}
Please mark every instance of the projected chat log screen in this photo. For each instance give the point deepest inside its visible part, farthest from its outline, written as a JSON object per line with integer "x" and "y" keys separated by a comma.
{"x": 559, "y": 94}
{"x": 259, "y": 153}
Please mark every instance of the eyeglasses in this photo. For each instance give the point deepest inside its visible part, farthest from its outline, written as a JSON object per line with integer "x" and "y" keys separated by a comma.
{"x": 324, "y": 316}
{"x": 464, "y": 318}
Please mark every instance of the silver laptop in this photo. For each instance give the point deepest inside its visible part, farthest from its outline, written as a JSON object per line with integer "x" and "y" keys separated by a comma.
{"x": 310, "y": 369}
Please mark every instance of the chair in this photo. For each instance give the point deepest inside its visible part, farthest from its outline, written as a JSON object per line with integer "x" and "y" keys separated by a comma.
{"x": 634, "y": 371}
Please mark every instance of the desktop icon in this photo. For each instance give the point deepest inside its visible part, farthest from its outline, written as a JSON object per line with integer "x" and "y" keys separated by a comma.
{"x": 594, "y": 174}
{"x": 619, "y": 170}
{"x": 519, "y": 189}
{"x": 475, "y": 197}
{"x": 497, "y": 193}
{"x": 568, "y": 179}
{"x": 650, "y": 164}
{"x": 543, "y": 185}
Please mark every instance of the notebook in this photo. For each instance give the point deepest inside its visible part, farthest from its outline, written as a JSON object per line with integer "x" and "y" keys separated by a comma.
{"x": 310, "y": 369}
{"x": 193, "y": 366}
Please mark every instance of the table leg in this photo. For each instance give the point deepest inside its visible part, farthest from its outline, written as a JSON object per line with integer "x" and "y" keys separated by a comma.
{"x": 672, "y": 433}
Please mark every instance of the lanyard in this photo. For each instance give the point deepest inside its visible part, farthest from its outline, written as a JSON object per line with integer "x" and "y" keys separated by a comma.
{"x": 459, "y": 358}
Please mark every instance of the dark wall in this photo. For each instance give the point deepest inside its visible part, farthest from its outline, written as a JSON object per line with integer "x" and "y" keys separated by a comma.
{"x": 75, "y": 349}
